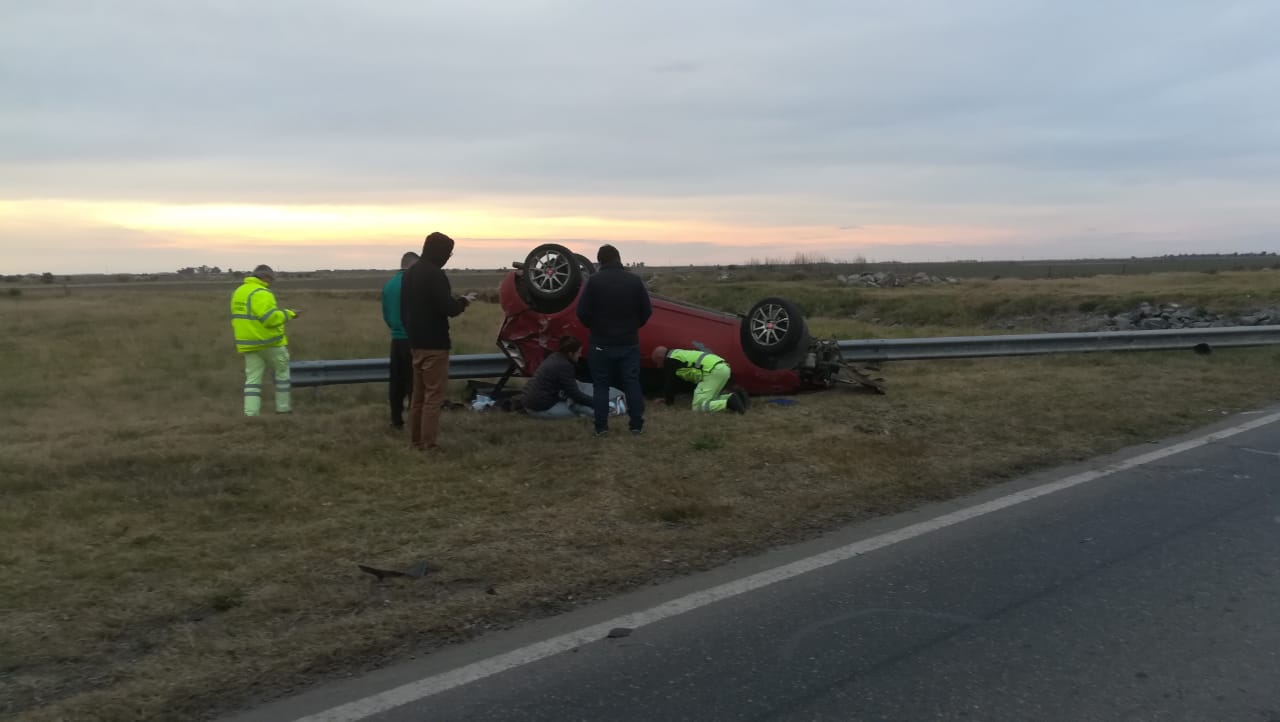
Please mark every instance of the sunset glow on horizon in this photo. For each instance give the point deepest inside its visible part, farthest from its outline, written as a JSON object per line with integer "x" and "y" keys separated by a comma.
{"x": 212, "y": 228}
{"x": 148, "y": 137}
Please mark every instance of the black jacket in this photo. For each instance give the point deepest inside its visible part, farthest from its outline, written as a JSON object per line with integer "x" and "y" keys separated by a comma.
{"x": 614, "y": 305}
{"x": 554, "y": 380}
{"x": 426, "y": 303}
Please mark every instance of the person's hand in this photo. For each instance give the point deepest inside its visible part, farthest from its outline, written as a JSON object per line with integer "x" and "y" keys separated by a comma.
{"x": 296, "y": 312}
{"x": 471, "y": 297}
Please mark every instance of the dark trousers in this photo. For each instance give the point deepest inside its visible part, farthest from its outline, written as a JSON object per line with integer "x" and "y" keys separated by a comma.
{"x": 401, "y": 382}
{"x": 620, "y": 364}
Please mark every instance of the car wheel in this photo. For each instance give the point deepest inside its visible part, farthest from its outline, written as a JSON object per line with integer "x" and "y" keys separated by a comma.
{"x": 774, "y": 334}
{"x": 588, "y": 267}
{"x": 552, "y": 276}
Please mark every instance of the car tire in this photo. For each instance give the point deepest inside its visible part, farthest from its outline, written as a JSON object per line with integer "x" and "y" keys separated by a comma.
{"x": 552, "y": 276}
{"x": 588, "y": 267}
{"x": 774, "y": 334}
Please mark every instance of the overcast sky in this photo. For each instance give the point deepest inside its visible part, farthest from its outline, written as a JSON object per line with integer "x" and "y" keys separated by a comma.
{"x": 148, "y": 135}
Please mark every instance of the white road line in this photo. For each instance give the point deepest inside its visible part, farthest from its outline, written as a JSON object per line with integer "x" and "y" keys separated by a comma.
{"x": 413, "y": 691}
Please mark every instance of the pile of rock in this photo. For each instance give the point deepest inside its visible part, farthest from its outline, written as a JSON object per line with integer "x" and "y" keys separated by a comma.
{"x": 1148, "y": 317}
{"x": 1145, "y": 317}
{"x": 886, "y": 279}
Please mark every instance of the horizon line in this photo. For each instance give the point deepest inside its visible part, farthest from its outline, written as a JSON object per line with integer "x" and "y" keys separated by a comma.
{"x": 796, "y": 261}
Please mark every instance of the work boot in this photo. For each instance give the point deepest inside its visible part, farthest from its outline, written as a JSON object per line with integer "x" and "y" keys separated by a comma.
{"x": 746, "y": 399}
{"x": 734, "y": 404}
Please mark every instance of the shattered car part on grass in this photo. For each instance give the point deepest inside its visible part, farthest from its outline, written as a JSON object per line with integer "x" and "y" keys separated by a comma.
{"x": 417, "y": 571}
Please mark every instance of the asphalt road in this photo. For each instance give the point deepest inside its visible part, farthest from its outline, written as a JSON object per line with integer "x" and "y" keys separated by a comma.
{"x": 1150, "y": 593}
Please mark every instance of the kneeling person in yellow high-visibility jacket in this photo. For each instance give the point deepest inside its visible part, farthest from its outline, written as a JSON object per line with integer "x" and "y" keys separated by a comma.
{"x": 707, "y": 370}
{"x": 258, "y": 325}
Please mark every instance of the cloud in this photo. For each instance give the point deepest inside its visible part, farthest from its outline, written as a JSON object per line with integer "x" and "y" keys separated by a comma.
{"x": 678, "y": 66}
{"x": 1031, "y": 116}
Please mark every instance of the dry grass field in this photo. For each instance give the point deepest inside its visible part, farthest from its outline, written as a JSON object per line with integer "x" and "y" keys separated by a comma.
{"x": 162, "y": 557}
{"x": 980, "y": 303}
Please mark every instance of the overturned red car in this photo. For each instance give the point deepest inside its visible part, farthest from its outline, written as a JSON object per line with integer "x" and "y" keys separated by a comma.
{"x": 769, "y": 348}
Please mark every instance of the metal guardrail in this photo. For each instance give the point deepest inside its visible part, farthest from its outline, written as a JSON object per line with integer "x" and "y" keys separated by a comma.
{"x": 365, "y": 370}
{"x": 478, "y": 366}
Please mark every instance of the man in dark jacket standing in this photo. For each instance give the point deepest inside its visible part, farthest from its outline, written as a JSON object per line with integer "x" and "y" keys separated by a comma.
{"x": 426, "y": 305}
{"x": 614, "y": 305}
{"x": 401, "y": 354}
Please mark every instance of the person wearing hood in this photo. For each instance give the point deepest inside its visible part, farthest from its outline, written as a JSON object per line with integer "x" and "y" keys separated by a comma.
{"x": 401, "y": 357}
{"x": 426, "y": 305}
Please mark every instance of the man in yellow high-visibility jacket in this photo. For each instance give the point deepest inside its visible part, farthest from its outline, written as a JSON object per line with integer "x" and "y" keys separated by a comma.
{"x": 258, "y": 327}
{"x": 707, "y": 370}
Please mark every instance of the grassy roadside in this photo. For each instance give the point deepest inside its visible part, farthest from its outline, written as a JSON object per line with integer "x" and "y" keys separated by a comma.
{"x": 163, "y": 557}
{"x": 975, "y": 304}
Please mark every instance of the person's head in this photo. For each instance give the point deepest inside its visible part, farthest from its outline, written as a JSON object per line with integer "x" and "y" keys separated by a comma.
{"x": 264, "y": 273}
{"x": 608, "y": 254}
{"x": 437, "y": 248}
{"x": 571, "y": 347}
{"x": 408, "y": 259}
{"x": 660, "y": 355}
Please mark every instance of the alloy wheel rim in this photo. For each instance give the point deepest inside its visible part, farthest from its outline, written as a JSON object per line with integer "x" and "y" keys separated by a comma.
{"x": 550, "y": 273}
{"x": 769, "y": 324}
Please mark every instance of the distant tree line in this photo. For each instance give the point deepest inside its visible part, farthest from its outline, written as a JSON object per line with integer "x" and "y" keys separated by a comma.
{"x": 800, "y": 261}
{"x": 1216, "y": 255}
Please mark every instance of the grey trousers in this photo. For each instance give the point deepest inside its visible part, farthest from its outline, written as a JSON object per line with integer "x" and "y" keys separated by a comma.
{"x": 562, "y": 410}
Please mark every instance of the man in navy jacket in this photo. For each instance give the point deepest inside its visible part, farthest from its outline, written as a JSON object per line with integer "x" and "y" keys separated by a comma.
{"x": 614, "y": 305}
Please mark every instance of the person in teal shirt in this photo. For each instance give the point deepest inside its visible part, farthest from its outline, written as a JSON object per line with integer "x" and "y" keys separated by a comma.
{"x": 401, "y": 381}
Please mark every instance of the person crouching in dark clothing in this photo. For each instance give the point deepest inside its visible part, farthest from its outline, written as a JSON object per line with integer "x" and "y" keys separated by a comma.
{"x": 554, "y": 392}
{"x": 426, "y": 304}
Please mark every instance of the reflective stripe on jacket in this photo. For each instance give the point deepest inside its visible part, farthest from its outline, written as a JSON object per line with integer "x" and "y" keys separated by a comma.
{"x": 256, "y": 321}
{"x": 696, "y": 363}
